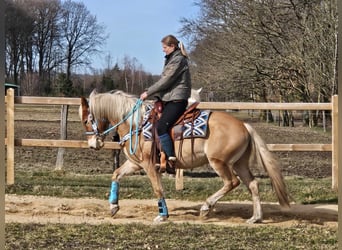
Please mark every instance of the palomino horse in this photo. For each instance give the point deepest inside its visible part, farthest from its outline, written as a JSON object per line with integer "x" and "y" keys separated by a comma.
{"x": 229, "y": 147}
{"x": 103, "y": 124}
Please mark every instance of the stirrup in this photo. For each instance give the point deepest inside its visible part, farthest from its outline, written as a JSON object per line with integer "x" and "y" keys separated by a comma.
{"x": 166, "y": 165}
{"x": 172, "y": 158}
{"x": 171, "y": 165}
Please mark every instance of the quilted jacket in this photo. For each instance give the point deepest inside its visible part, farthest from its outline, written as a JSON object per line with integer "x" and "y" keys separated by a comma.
{"x": 175, "y": 82}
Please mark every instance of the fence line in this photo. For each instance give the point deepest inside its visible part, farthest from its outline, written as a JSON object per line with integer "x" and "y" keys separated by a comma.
{"x": 11, "y": 142}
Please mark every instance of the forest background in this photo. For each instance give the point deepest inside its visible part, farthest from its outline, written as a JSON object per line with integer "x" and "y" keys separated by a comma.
{"x": 267, "y": 51}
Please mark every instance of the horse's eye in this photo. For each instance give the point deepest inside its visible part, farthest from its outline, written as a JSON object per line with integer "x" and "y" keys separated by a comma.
{"x": 85, "y": 122}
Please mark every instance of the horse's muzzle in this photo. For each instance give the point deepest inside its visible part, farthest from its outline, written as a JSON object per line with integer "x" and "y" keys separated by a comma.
{"x": 95, "y": 143}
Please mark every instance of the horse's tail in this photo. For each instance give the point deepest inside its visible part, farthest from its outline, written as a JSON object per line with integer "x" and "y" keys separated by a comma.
{"x": 270, "y": 164}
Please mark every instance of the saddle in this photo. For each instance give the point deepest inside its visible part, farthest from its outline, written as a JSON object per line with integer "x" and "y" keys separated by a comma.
{"x": 189, "y": 115}
{"x": 176, "y": 133}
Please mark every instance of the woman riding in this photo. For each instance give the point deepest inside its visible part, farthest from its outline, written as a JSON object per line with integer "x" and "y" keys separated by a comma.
{"x": 174, "y": 89}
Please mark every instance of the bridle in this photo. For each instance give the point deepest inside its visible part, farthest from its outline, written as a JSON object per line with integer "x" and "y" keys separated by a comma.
{"x": 95, "y": 130}
{"x": 94, "y": 126}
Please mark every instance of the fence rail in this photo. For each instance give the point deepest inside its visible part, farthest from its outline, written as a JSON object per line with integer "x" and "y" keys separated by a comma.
{"x": 11, "y": 141}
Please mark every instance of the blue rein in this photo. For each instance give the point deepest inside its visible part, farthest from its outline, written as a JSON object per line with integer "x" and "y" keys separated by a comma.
{"x": 136, "y": 108}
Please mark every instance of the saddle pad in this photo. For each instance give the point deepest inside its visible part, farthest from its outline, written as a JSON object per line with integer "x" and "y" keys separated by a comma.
{"x": 195, "y": 130}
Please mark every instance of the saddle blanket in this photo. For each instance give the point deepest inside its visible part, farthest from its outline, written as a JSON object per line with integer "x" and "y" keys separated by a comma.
{"x": 195, "y": 130}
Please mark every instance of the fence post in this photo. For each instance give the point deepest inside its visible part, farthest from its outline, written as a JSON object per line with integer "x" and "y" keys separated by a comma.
{"x": 179, "y": 179}
{"x": 10, "y": 136}
{"x": 334, "y": 142}
{"x": 64, "y": 135}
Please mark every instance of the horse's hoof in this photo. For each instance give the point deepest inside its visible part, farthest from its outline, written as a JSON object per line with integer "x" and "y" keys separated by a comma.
{"x": 254, "y": 220}
{"x": 204, "y": 213}
{"x": 114, "y": 208}
{"x": 160, "y": 218}
{"x": 205, "y": 210}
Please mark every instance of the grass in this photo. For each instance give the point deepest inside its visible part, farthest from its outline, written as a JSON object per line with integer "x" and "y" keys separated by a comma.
{"x": 166, "y": 236}
{"x": 62, "y": 184}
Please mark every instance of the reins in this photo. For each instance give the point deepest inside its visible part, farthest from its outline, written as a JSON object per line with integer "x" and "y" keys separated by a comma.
{"x": 136, "y": 108}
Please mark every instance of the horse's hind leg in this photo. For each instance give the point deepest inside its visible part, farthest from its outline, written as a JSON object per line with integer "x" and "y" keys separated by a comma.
{"x": 230, "y": 181}
{"x": 242, "y": 170}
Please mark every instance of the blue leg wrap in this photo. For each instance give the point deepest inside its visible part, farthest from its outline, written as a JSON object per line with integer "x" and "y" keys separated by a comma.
{"x": 114, "y": 193}
{"x": 162, "y": 208}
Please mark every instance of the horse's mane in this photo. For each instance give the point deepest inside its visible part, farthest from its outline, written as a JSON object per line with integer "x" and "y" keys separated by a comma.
{"x": 113, "y": 105}
{"x": 116, "y": 104}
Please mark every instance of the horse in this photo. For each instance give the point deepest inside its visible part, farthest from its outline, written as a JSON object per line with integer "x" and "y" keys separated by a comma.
{"x": 229, "y": 147}
{"x": 103, "y": 123}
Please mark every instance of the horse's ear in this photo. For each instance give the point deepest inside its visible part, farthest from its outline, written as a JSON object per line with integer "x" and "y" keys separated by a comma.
{"x": 84, "y": 102}
{"x": 199, "y": 90}
{"x": 94, "y": 92}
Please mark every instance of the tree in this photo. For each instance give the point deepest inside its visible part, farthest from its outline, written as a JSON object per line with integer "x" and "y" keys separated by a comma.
{"x": 269, "y": 50}
{"x": 19, "y": 29}
{"x": 135, "y": 78}
{"x": 82, "y": 36}
{"x": 47, "y": 41}
{"x": 46, "y": 37}
{"x": 31, "y": 38}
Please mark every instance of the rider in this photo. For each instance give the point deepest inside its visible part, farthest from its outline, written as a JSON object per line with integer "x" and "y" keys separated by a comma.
{"x": 174, "y": 89}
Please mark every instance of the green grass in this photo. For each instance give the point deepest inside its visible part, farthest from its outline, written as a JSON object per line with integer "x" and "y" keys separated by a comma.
{"x": 61, "y": 184}
{"x": 166, "y": 236}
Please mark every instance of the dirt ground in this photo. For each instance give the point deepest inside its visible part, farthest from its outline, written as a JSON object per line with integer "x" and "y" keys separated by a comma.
{"x": 32, "y": 209}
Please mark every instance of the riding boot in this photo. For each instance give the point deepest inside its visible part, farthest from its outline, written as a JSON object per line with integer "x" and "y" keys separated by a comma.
{"x": 167, "y": 147}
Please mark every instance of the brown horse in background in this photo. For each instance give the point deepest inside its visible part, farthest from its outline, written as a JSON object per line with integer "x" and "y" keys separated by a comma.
{"x": 230, "y": 147}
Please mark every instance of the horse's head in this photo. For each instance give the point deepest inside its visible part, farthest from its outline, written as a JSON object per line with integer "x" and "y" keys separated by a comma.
{"x": 93, "y": 128}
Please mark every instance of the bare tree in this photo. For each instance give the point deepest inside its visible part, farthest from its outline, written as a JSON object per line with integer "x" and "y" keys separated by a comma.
{"x": 19, "y": 29}
{"x": 48, "y": 41}
{"x": 269, "y": 50}
{"x": 46, "y": 38}
{"x": 82, "y": 36}
{"x": 134, "y": 75}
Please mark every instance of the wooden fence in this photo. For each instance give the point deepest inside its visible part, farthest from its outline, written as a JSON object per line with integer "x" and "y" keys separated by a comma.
{"x": 11, "y": 141}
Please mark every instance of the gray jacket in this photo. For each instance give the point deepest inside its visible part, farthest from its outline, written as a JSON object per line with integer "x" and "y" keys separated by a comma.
{"x": 175, "y": 82}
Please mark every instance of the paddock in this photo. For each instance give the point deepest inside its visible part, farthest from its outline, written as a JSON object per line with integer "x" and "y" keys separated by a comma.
{"x": 37, "y": 199}
{"x": 11, "y": 141}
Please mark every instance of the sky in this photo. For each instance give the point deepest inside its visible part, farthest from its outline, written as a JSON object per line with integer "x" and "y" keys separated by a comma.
{"x": 136, "y": 27}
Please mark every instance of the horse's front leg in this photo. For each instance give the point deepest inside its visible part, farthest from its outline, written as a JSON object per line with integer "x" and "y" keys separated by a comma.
{"x": 155, "y": 179}
{"x": 125, "y": 169}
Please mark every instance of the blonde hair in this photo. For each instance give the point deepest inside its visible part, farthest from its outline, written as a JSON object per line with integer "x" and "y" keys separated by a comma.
{"x": 172, "y": 40}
